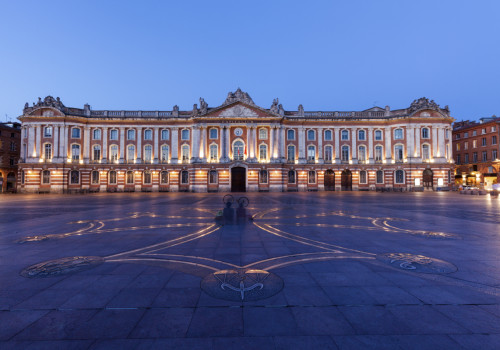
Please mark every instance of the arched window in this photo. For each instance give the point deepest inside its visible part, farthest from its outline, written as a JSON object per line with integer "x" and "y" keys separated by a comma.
{"x": 362, "y": 177}
{"x": 425, "y": 152}
{"x": 213, "y": 134}
{"x": 130, "y": 177}
{"x": 399, "y": 153}
{"x": 148, "y": 153}
{"x": 148, "y": 134}
{"x": 291, "y": 176}
{"x": 130, "y": 153}
{"x": 74, "y": 176}
{"x": 311, "y": 153}
{"x": 311, "y": 178}
{"x": 212, "y": 177}
{"x": 184, "y": 177}
{"x": 311, "y": 135}
{"x": 263, "y": 176}
{"x": 263, "y": 134}
{"x": 263, "y": 153}
{"x": 112, "y": 177}
{"x": 238, "y": 150}
{"x": 96, "y": 152}
{"x": 213, "y": 153}
{"x": 113, "y": 153}
{"x": 400, "y": 177}
{"x": 290, "y": 134}
{"x": 378, "y": 153}
{"x": 362, "y": 154}
{"x": 147, "y": 177}
{"x": 361, "y": 135}
{"x": 164, "y": 154}
{"x": 378, "y": 135}
{"x": 328, "y": 153}
{"x": 185, "y": 153}
{"x": 46, "y": 177}
{"x": 185, "y": 134}
{"x": 345, "y": 153}
{"x": 291, "y": 153}
{"x": 95, "y": 177}
{"x": 47, "y": 151}
{"x": 425, "y": 133}
{"x": 164, "y": 177}
{"x": 75, "y": 152}
{"x": 328, "y": 135}
{"x": 380, "y": 177}
{"x": 344, "y": 135}
{"x": 398, "y": 134}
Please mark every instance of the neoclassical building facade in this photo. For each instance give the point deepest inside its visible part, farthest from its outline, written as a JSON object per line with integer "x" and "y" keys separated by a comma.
{"x": 237, "y": 146}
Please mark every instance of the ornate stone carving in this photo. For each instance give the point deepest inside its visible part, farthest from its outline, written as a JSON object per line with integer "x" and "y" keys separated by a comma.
{"x": 423, "y": 103}
{"x": 238, "y": 96}
{"x": 238, "y": 111}
{"x": 175, "y": 111}
{"x": 301, "y": 110}
{"x": 203, "y": 106}
{"x": 48, "y": 101}
{"x": 274, "y": 106}
{"x": 195, "y": 110}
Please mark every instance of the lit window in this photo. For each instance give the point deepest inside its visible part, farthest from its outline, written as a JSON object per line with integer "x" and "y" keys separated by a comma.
{"x": 213, "y": 153}
{"x": 398, "y": 153}
{"x": 345, "y": 153}
{"x": 75, "y": 152}
{"x": 238, "y": 150}
{"x": 311, "y": 153}
{"x": 148, "y": 153}
{"x": 185, "y": 153}
{"x": 378, "y": 153}
{"x": 425, "y": 152}
{"x": 328, "y": 153}
{"x": 112, "y": 177}
{"x": 263, "y": 153}
{"x": 130, "y": 152}
{"x": 164, "y": 154}
{"x": 113, "y": 153}
{"x": 48, "y": 151}
{"x": 130, "y": 177}
{"x": 362, "y": 153}
{"x": 96, "y": 152}
{"x": 164, "y": 177}
{"x": 263, "y": 176}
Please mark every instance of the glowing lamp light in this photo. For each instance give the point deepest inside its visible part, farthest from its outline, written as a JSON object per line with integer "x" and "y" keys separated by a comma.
{"x": 440, "y": 181}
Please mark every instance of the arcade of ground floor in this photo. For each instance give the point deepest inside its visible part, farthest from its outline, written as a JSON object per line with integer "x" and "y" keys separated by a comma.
{"x": 235, "y": 177}
{"x": 338, "y": 270}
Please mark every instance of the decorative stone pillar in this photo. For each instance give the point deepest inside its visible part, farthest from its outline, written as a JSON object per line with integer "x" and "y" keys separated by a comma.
{"x": 302, "y": 145}
{"x": 203, "y": 144}
{"x": 104, "y": 145}
{"x": 388, "y": 145}
{"x": 410, "y": 143}
{"x": 63, "y": 148}
{"x": 175, "y": 146}
{"x": 195, "y": 155}
{"x": 354, "y": 146}
{"x": 320, "y": 146}
{"x": 139, "y": 146}
{"x": 31, "y": 143}
{"x": 370, "y": 145}
{"x": 55, "y": 156}
{"x": 222, "y": 144}
{"x": 441, "y": 146}
{"x": 122, "y": 145}
{"x": 434, "y": 141}
{"x": 336, "y": 131}
{"x": 86, "y": 144}
{"x": 271, "y": 144}
{"x": 156, "y": 150}
{"x": 38, "y": 149}
{"x": 417, "y": 142}
{"x": 282, "y": 154}
{"x": 227, "y": 144}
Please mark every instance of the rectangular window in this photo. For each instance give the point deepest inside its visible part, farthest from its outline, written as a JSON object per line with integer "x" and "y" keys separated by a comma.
{"x": 311, "y": 178}
{"x": 378, "y": 135}
{"x": 291, "y": 153}
{"x": 185, "y": 134}
{"x": 485, "y": 156}
{"x": 96, "y": 134}
{"x": 263, "y": 176}
{"x": 47, "y": 131}
{"x": 458, "y": 159}
{"x": 483, "y": 131}
{"x": 75, "y": 152}
{"x": 213, "y": 153}
{"x": 46, "y": 177}
{"x": 378, "y": 153}
{"x": 311, "y": 135}
{"x": 263, "y": 134}
{"x": 328, "y": 135}
{"x": 113, "y": 134}
{"x": 130, "y": 134}
{"x": 97, "y": 153}
{"x": 328, "y": 153}
{"x": 290, "y": 134}
{"x": 458, "y": 147}
{"x": 493, "y": 128}
{"x": 483, "y": 141}
{"x": 361, "y": 135}
{"x": 466, "y": 134}
{"x": 398, "y": 134}
{"x": 48, "y": 151}
{"x": 474, "y": 133}
{"x": 380, "y": 177}
{"x": 344, "y": 135}
{"x": 474, "y": 143}
{"x": 494, "y": 154}
{"x": 165, "y": 134}
{"x": 148, "y": 134}
{"x": 493, "y": 140}
{"x": 466, "y": 145}
{"x": 213, "y": 134}
{"x": 466, "y": 158}
{"x": 398, "y": 153}
{"x": 212, "y": 177}
{"x": 474, "y": 157}
{"x": 362, "y": 177}
{"x": 95, "y": 177}
{"x": 75, "y": 133}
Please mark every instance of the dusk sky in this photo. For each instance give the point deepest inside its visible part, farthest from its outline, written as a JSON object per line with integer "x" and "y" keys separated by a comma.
{"x": 326, "y": 55}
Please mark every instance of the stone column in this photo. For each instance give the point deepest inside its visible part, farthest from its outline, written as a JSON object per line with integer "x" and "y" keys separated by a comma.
{"x": 370, "y": 145}
{"x": 388, "y": 145}
{"x": 320, "y": 145}
{"x": 282, "y": 154}
{"x": 55, "y": 156}
{"x": 175, "y": 146}
{"x": 86, "y": 144}
{"x": 434, "y": 141}
{"x": 336, "y": 132}
{"x": 203, "y": 144}
{"x": 441, "y": 146}
{"x": 354, "y": 147}
{"x": 222, "y": 144}
{"x": 271, "y": 144}
{"x": 156, "y": 150}
{"x": 63, "y": 148}
{"x": 31, "y": 143}
{"x": 195, "y": 155}
{"x": 227, "y": 140}
{"x": 302, "y": 145}
{"x": 409, "y": 142}
{"x": 122, "y": 145}
{"x": 417, "y": 142}
{"x": 104, "y": 158}
{"x": 139, "y": 146}
{"x": 38, "y": 150}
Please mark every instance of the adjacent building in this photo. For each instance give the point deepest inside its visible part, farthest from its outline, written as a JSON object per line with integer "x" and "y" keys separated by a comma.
{"x": 476, "y": 152}
{"x": 235, "y": 146}
{"x": 10, "y": 147}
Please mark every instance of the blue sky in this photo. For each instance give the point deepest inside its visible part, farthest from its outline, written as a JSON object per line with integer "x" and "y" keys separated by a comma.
{"x": 326, "y": 55}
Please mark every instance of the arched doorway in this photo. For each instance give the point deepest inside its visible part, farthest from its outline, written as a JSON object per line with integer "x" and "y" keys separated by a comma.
{"x": 428, "y": 178}
{"x": 11, "y": 182}
{"x": 329, "y": 180}
{"x": 346, "y": 180}
{"x": 238, "y": 179}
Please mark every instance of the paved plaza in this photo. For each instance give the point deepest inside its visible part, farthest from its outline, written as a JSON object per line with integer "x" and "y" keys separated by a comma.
{"x": 326, "y": 270}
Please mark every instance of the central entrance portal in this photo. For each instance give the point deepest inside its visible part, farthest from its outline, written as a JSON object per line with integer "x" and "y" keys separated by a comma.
{"x": 329, "y": 180}
{"x": 346, "y": 180}
{"x": 238, "y": 179}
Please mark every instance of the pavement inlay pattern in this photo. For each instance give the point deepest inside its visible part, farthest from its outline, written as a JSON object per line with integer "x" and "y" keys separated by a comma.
{"x": 334, "y": 270}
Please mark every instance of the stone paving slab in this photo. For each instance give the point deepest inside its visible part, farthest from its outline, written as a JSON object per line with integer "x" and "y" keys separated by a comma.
{"x": 327, "y": 270}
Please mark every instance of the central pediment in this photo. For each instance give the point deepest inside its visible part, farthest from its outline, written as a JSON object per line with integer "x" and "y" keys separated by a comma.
{"x": 238, "y": 111}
